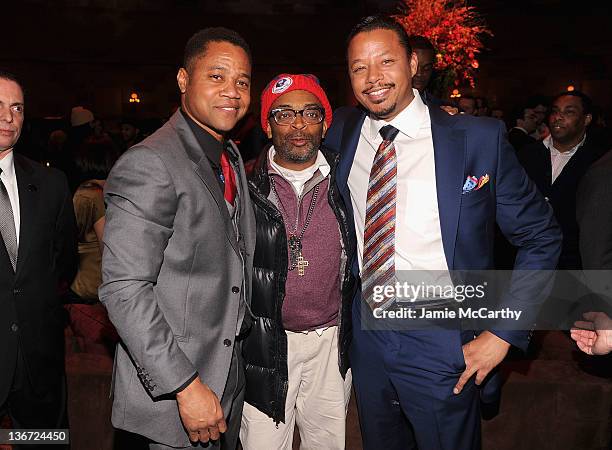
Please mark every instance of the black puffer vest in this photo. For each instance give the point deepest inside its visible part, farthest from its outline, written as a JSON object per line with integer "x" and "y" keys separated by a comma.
{"x": 265, "y": 346}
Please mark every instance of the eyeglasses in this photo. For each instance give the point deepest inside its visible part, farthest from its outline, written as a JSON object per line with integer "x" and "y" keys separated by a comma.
{"x": 311, "y": 116}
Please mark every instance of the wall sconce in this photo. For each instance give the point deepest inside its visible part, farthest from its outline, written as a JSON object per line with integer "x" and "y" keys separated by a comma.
{"x": 134, "y": 98}
{"x": 571, "y": 88}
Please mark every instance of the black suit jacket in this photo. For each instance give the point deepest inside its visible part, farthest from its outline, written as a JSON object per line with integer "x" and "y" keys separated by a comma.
{"x": 31, "y": 314}
{"x": 562, "y": 193}
{"x": 594, "y": 214}
{"x": 519, "y": 139}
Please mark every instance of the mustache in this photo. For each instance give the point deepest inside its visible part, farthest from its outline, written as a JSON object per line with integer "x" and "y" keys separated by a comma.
{"x": 298, "y": 136}
{"x": 376, "y": 88}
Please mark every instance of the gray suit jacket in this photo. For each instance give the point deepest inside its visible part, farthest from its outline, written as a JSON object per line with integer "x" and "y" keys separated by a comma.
{"x": 173, "y": 277}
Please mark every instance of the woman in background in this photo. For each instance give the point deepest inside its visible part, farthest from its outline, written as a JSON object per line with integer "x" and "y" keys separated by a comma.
{"x": 88, "y": 318}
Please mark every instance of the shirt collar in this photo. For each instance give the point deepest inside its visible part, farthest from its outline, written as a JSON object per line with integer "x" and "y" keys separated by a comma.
{"x": 321, "y": 164}
{"x": 548, "y": 143}
{"x": 7, "y": 166}
{"x": 211, "y": 147}
{"x": 408, "y": 121}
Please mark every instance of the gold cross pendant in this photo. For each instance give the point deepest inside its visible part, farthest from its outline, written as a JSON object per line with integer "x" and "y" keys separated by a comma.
{"x": 301, "y": 265}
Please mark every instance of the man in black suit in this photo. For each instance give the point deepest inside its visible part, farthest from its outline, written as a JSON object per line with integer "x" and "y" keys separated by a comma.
{"x": 426, "y": 57}
{"x": 558, "y": 163}
{"x": 37, "y": 250}
{"x": 525, "y": 122}
{"x": 594, "y": 214}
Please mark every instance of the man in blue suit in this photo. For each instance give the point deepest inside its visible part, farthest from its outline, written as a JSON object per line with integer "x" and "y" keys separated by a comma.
{"x": 425, "y": 195}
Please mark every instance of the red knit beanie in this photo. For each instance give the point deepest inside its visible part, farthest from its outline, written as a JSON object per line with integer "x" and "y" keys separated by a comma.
{"x": 286, "y": 82}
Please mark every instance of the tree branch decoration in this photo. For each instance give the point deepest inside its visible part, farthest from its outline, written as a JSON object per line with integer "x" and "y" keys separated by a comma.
{"x": 454, "y": 29}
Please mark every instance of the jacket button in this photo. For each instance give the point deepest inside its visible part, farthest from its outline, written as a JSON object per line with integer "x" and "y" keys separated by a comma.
{"x": 227, "y": 342}
{"x": 235, "y": 289}
{"x": 14, "y": 327}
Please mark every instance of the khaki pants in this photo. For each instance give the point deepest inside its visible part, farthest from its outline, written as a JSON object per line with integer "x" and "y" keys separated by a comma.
{"x": 317, "y": 398}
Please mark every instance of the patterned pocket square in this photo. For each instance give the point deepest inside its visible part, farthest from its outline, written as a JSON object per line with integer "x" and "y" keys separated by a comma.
{"x": 473, "y": 184}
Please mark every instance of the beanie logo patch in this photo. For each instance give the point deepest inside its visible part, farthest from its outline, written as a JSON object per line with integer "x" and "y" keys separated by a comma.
{"x": 282, "y": 85}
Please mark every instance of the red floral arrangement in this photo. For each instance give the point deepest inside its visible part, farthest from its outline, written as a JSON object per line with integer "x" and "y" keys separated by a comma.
{"x": 454, "y": 29}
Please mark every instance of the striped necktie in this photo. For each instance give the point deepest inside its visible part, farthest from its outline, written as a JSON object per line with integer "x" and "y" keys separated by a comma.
{"x": 7, "y": 224}
{"x": 379, "y": 232}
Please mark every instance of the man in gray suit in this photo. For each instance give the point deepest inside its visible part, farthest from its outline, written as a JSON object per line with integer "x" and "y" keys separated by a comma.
{"x": 178, "y": 247}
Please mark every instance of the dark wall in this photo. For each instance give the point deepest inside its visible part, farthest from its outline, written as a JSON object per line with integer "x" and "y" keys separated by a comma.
{"x": 95, "y": 53}
{"x": 542, "y": 46}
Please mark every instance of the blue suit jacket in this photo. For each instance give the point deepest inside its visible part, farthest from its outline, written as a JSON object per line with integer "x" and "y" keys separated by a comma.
{"x": 466, "y": 145}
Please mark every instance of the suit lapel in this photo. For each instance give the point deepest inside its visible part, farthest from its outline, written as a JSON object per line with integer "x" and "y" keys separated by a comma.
{"x": 350, "y": 138}
{"x": 449, "y": 154}
{"x": 546, "y": 165}
{"x": 202, "y": 168}
{"x": 29, "y": 194}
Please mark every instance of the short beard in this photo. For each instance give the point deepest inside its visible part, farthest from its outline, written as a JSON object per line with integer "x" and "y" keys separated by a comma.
{"x": 566, "y": 138}
{"x": 385, "y": 112}
{"x": 286, "y": 151}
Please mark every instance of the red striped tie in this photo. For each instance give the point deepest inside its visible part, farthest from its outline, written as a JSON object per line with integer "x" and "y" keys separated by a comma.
{"x": 379, "y": 233}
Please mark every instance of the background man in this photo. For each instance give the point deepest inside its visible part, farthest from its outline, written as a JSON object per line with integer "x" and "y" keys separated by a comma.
{"x": 467, "y": 105}
{"x": 482, "y": 107}
{"x": 557, "y": 164}
{"x": 130, "y": 133}
{"x": 429, "y": 221}
{"x": 498, "y": 114}
{"x": 81, "y": 128}
{"x": 540, "y": 105}
{"x": 37, "y": 251}
{"x": 593, "y": 334}
{"x": 179, "y": 241}
{"x": 297, "y": 351}
{"x": 594, "y": 215}
{"x": 426, "y": 58}
{"x": 525, "y": 122}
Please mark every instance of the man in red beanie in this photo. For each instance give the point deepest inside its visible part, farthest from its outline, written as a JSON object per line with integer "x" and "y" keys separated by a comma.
{"x": 296, "y": 352}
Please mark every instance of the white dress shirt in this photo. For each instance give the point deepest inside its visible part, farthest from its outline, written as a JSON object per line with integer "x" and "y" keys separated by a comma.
{"x": 9, "y": 179}
{"x": 418, "y": 237}
{"x": 558, "y": 160}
